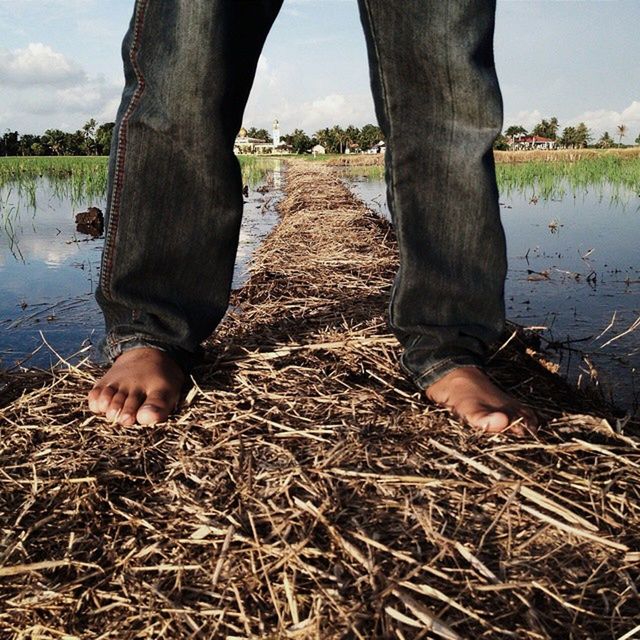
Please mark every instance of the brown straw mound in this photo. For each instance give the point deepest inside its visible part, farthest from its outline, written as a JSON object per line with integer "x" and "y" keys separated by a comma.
{"x": 307, "y": 490}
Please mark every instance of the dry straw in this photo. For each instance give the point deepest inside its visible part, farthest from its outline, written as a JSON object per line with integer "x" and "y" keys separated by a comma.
{"x": 306, "y": 490}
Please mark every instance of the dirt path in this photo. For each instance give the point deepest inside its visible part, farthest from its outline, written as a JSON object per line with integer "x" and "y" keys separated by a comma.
{"x": 307, "y": 491}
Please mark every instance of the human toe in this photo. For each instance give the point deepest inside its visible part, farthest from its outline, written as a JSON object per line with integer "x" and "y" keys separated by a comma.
{"x": 115, "y": 406}
{"x": 100, "y": 398}
{"x": 518, "y": 421}
{"x": 130, "y": 408}
{"x": 157, "y": 407}
{"x": 150, "y": 414}
{"x": 489, "y": 421}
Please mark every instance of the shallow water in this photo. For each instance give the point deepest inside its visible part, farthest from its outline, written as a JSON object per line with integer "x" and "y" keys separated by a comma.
{"x": 574, "y": 272}
{"x": 49, "y": 271}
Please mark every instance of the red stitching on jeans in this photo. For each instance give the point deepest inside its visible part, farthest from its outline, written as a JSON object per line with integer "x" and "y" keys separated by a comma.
{"x": 116, "y": 193}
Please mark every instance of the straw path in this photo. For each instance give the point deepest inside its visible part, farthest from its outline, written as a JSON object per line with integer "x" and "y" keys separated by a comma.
{"x": 306, "y": 490}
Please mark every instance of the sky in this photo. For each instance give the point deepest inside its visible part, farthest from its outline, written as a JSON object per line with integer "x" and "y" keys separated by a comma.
{"x": 60, "y": 64}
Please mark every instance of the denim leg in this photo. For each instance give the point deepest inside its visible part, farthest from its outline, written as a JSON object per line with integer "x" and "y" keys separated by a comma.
{"x": 174, "y": 202}
{"x": 439, "y": 105}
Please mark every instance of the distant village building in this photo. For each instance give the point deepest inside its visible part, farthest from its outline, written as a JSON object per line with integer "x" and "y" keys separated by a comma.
{"x": 318, "y": 150}
{"x": 244, "y": 144}
{"x": 523, "y": 142}
{"x": 378, "y": 147}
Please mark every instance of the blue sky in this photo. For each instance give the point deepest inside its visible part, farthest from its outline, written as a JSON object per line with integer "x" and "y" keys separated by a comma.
{"x": 578, "y": 60}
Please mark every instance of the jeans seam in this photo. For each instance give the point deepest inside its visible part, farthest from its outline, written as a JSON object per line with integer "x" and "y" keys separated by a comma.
{"x": 120, "y": 153}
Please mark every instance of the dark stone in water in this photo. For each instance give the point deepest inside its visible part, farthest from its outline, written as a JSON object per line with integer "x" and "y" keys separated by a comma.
{"x": 90, "y": 222}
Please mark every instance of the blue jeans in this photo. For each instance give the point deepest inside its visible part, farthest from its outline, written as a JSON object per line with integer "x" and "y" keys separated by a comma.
{"x": 175, "y": 192}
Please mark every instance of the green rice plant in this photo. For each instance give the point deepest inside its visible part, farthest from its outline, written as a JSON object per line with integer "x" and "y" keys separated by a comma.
{"x": 618, "y": 174}
{"x": 85, "y": 178}
{"x": 552, "y": 174}
{"x": 255, "y": 168}
{"x": 75, "y": 178}
{"x": 8, "y": 222}
{"x": 370, "y": 172}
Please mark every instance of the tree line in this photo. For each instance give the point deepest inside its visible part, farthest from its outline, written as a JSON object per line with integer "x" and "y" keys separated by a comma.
{"x": 96, "y": 140}
{"x": 91, "y": 140}
{"x": 577, "y": 137}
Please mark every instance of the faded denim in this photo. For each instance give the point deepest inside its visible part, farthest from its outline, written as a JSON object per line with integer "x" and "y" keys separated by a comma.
{"x": 175, "y": 202}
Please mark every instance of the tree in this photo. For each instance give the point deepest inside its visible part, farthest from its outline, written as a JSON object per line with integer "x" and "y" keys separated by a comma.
{"x": 622, "y": 131}
{"x": 103, "y": 138}
{"x": 54, "y": 140}
{"x": 583, "y": 134}
{"x": 75, "y": 144}
{"x": 501, "y": 143}
{"x": 515, "y": 130}
{"x": 606, "y": 141}
{"x": 9, "y": 145}
{"x": 259, "y": 134}
{"x": 575, "y": 137}
{"x": 546, "y": 128}
{"x": 38, "y": 149}
{"x": 370, "y": 134}
{"x": 26, "y": 143}
{"x": 568, "y": 138}
{"x": 323, "y": 136}
{"x": 299, "y": 141}
{"x": 89, "y": 135}
{"x": 352, "y": 136}
{"x": 638, "y": 139}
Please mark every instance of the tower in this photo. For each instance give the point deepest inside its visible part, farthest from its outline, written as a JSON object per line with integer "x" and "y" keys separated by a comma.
{"x": 276, "y": 133}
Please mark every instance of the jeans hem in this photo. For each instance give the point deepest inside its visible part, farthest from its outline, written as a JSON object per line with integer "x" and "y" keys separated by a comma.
{"x": 114, "y": 346}
{"x": 433, "y": 372}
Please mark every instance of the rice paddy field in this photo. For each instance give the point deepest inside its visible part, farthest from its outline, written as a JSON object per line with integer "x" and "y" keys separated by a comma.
{"x": 49, "y": 265}
{"x": 306, "y": 490}
{"x": 572, "y": 220}
{"x": 570, "y": 172}
{"x": 78, "y": 177}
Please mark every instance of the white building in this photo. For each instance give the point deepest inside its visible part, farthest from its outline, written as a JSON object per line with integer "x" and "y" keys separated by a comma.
{"x": 245, "y": 144}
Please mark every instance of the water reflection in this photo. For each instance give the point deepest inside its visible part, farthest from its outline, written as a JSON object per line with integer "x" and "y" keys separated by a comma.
{"x": 49, "y": 268}
{"x": 574, "y": 275}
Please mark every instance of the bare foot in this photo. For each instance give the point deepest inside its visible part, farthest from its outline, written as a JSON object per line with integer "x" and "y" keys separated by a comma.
{"x": 143, "y": 385}
{"x": 469, "y": 393}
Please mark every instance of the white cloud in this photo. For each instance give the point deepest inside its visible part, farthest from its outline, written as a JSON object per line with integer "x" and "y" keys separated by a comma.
{"x": 602, "y": 120}
{"x": 598, "y": 120}
{"x": 266, "y": 76}
{"x": 335, "y": 108}
{"x": 36, "y": 65}
{"x": 274, "y": 96}
{"x": 44, "y": 89}
{"x": 527, "y": 119}
{"x": 109, "y": 110}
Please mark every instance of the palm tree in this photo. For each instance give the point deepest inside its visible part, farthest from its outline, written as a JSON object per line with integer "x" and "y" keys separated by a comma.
{"x": 605, "y": 141}
{"x": 55, "y": 139}
{"x": 89, "y": 135}
{"x": 622, "y": 131}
